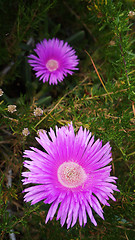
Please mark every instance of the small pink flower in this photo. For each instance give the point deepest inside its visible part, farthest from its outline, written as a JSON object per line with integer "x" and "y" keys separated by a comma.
{"x": 54, "y": 60}
{"x": 38, "y": 112}
{"x": 1, "y": 92}
{"x": 71, "y": 174}
{"x": 25, "y": 132}
{"x": 12, "y": 108}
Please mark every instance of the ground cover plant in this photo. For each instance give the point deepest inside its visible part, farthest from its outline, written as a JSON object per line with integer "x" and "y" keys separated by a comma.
{"x": 88, "y": 83}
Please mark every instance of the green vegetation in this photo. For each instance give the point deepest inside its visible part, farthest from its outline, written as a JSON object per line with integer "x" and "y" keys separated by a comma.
{"x": 100, "y": 96}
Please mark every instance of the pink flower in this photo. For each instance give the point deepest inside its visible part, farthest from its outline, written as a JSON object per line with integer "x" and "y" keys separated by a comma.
{"x": 54, "y": 60}
{"x": 71, "y": 172}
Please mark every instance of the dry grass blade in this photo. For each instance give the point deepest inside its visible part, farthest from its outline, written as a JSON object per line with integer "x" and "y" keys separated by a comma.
{"x": 99, "y": 76}
{"x": 60, "y": 102}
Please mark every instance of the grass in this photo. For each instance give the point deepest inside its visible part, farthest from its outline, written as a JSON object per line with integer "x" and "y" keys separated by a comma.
{"x": 100, "y": 97}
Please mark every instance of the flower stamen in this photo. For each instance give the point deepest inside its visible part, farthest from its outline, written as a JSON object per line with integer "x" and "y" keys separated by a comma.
{"x": 52, "y": 65}
{"x": 71, "y": 174}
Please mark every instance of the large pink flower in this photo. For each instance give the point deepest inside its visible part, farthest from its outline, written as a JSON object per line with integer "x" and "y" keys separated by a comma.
{"x": 54, "y": 60}
{"x": 71, "y": 172}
